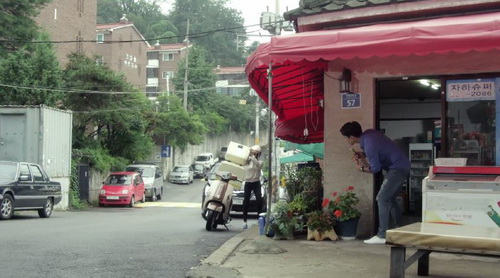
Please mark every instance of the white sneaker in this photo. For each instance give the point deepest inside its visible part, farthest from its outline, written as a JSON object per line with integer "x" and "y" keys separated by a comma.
{"x": 245, "y": 226}
{"x": 375, "y": 240}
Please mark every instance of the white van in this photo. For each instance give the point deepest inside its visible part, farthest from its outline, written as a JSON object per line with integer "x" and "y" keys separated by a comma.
{"x": 206, "y": 159}
{"x": 152, "y": 176}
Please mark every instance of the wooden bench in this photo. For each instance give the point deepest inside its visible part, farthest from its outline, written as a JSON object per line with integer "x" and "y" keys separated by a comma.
{"x": 432, "y": 237}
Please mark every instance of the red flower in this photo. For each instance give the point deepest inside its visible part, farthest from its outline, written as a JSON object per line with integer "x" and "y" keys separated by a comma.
{"x": 326, "y": 201}
{"x": 334, "y": 194}
{"x": 349, "y": 188}
{"x": 337, "y": 213}
{"x": 337, "y": 199}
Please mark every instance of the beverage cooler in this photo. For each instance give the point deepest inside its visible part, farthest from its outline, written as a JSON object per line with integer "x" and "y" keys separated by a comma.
{"x": 421, "y": 157}
{"x": 462, "y": 195}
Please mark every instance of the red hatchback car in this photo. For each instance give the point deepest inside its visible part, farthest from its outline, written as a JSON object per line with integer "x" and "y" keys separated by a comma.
{"x": 122, "y": 188}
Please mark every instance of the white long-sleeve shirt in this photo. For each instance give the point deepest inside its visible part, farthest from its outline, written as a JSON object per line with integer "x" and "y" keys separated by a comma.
{"x": 252, "y": 169}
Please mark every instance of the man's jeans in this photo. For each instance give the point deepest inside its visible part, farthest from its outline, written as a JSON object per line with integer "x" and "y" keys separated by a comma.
{"x": 386, "y": 198}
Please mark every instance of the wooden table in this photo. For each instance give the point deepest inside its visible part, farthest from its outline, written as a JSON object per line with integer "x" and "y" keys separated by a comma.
{"x": 432, "y": 237}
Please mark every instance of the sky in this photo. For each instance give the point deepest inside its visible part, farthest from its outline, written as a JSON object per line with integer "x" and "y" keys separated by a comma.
{"x": 251, "y": 11}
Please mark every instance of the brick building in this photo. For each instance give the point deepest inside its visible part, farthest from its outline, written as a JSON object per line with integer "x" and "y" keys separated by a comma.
{"x": 72, "y": 21}
{"x": 123, "y": 49}
{"x": 163, "y": 60}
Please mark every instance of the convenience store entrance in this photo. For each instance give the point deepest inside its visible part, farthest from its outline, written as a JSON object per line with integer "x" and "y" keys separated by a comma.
{"x": 409, "y": 112}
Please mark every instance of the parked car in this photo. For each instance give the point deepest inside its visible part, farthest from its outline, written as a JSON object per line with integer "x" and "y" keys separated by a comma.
{"x": 199, "y": 170}
{"x": 181, "y": 174}
{"x": 26, "y": 186}
{"x": 206, "y": 159}
{"x": 238, "y": 196}
{"x": 122, "y": 188}
{"x": 152, "y": 176}
{"x": 222, "y": 153}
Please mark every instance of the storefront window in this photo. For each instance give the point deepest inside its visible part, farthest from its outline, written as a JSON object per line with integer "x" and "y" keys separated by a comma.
{"x": 471, "y": 117}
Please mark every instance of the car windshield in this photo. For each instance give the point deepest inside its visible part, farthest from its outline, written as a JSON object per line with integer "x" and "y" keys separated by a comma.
{"x": 181, "y": 169}
{"x": 145, "y": 172}
{"x": 8, "y": 171}
{"x": 212, "y": 175}
{"x": 118, "y": 180}
{"x": 202, "y": 158}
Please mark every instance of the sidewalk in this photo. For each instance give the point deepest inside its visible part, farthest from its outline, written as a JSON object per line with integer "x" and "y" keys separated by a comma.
{"x": 318, "y": 259}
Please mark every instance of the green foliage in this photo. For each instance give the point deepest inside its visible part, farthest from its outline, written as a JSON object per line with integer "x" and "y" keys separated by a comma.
{"x": 17, "y": 24}
{"x": 304, "y": 179}
{"x": 283, "y": 219}
{"x": 27, "y": 69}
{"x": 145, "y": 14}
{"x": 320, "y": 221}
{"x": 118, "y": 121}
{"x": 175, "y": 125}
{"x": 343, "y": 205}
{"x": 206, "y": 16}
{"x": 303, "y": 203}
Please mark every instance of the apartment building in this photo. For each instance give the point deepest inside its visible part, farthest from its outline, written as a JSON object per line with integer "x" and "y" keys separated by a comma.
{"x": 163, "y": 64}
{"x": 231, "y": 81}
{"x": 122, "y": 48}
{"x": 71, "y": 23}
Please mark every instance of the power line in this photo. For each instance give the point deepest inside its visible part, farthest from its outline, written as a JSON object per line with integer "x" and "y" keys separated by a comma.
{"x": 195, "y": 36}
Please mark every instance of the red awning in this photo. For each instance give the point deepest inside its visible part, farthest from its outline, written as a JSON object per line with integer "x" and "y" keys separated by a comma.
{"x": 299, "y": 60}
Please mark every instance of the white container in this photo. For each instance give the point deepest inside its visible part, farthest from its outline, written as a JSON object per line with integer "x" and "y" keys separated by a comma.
{"x": 237, "y": 153}
{"x": 448, "y": 161}
{"x": 235, "y": 170}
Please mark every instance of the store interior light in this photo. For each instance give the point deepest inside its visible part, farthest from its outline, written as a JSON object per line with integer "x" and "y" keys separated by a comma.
{"x": 426, "y": 82}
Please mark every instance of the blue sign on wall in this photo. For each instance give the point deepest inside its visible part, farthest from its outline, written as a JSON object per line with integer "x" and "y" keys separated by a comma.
{"x": 165, "y": 150}
{"x": 351, "y": 100}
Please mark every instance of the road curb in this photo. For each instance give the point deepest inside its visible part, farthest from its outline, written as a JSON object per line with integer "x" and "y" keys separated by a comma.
{"x": 219, "y": 256}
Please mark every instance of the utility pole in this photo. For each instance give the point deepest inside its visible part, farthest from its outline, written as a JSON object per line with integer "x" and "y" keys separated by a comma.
{"x": 187, "y": 67}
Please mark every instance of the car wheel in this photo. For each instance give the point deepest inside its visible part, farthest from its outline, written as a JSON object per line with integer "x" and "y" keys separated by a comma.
{"x": 132, "y": 201}
{"x": 6, "y": 207}
{"x": 211, "y": 217}
{"x": 101, "y": 204}
{"x": 160, "y": 195}
{"x": 46, "y": 212}
{"x": 143, "y": 200}
{"x": 153, "y": 196}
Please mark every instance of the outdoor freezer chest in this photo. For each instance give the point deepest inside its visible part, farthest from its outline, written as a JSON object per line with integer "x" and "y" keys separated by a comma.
{"x": 461, "y": 195}
{"x": 237, "y": 153}
{"x": 234, "y": 169}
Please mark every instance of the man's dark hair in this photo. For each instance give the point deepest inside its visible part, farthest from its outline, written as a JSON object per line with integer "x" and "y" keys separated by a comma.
{"x": 351, "y": 129}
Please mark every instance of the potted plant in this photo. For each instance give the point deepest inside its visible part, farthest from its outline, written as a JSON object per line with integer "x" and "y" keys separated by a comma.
{"x": 320, "y": 226}
{"x": 343, "y": 208}
{"x": 283, "y": 222}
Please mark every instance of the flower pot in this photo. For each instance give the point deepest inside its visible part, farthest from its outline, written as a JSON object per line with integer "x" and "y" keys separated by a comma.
{"x": 317, "y": 235}
{"x": 347, "y": 229}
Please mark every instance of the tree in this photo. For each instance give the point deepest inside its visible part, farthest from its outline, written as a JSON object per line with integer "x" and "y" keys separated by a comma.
{"x": 212, "y": 25}
{"x": 17, "y": 27}
{"x": 116, "y": 120}
{"x": 32, "y": 74}
{"x": 146, "y": 16}
{"x": 177, "y": 126}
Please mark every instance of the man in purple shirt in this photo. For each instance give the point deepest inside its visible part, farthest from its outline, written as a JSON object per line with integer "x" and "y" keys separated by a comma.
{"x": 380, "y": 153}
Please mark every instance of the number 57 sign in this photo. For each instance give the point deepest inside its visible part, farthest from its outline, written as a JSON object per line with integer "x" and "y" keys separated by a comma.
{"x": 351, "y": 100}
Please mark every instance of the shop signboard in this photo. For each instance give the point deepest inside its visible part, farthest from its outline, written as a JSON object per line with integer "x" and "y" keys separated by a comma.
{"x": 470, "y": 90}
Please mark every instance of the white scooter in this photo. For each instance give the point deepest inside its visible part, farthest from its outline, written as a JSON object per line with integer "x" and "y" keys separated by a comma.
{"x": 218, "y": 202}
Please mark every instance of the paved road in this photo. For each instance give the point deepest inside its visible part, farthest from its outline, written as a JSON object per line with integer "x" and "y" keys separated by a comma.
{"x": 161, "y": 239}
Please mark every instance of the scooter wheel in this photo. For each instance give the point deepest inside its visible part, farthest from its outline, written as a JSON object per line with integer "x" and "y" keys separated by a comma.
{"x": 211, "y": 217}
